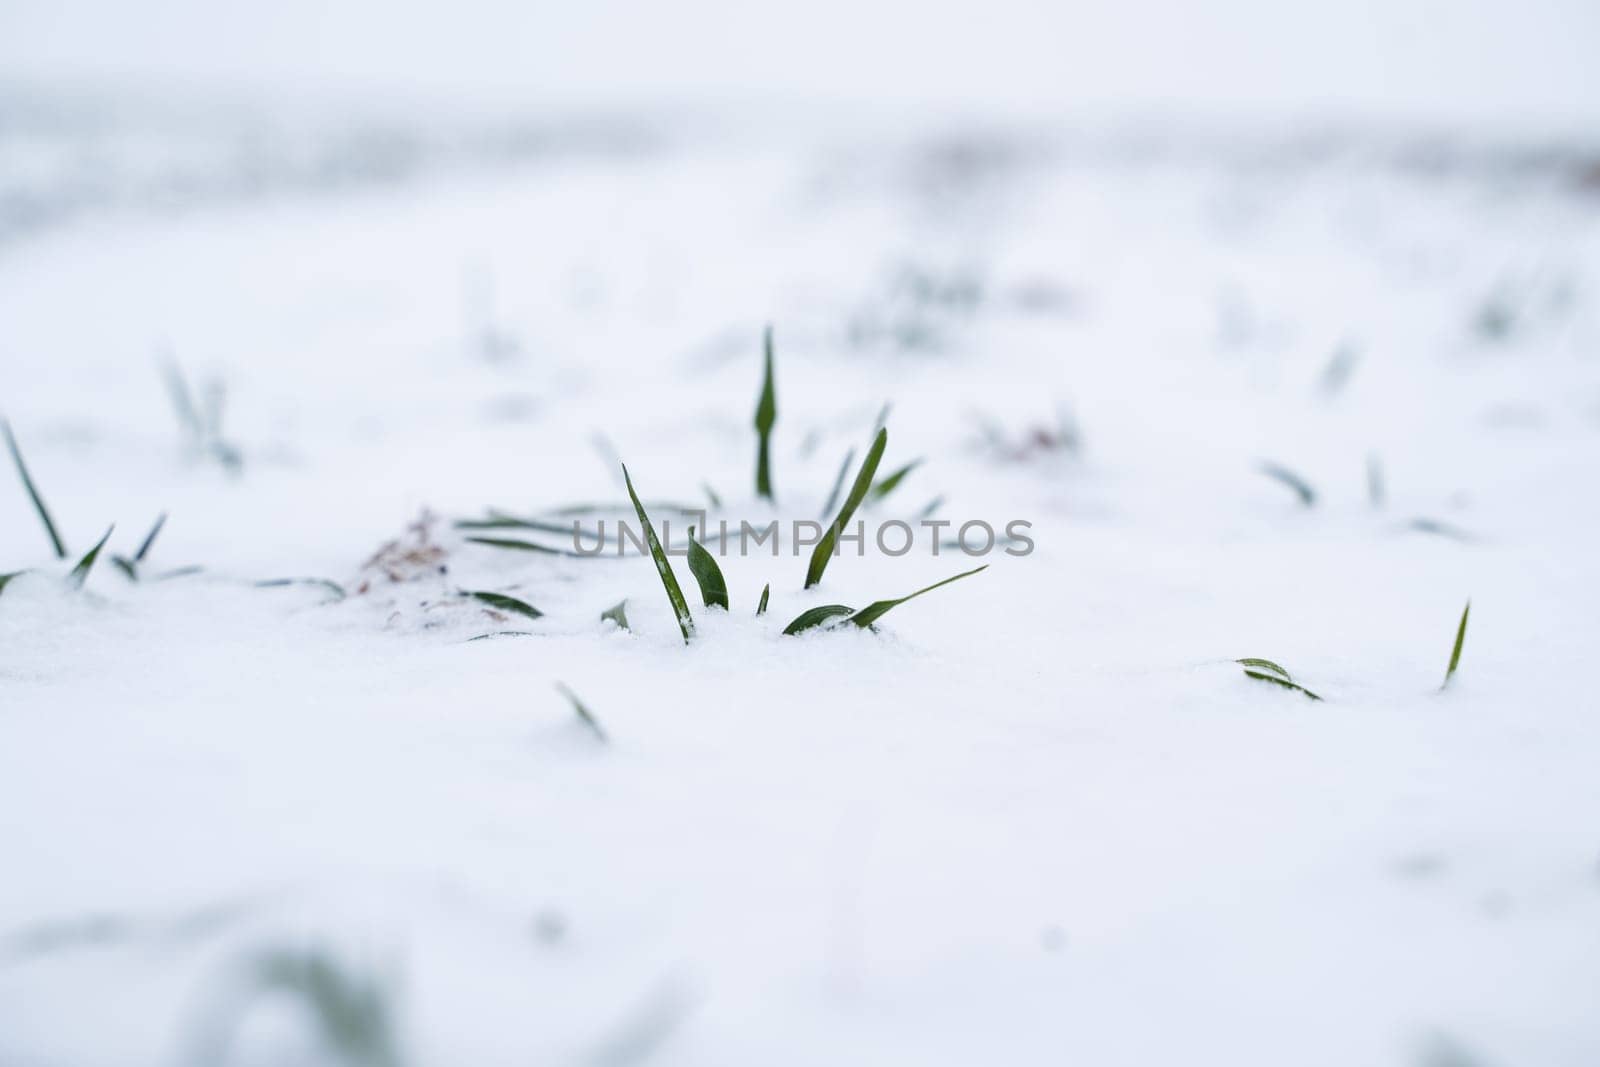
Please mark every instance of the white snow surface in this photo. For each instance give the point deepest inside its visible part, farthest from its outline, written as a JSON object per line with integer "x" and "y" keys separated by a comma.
{"x": 1039, "y": 817}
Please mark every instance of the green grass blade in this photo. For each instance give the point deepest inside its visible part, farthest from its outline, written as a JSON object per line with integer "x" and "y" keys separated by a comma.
{"x": 766, "y": 590}
{"x": 888, "y": 485}
{"x": 766, "y": 418}
{"x": 1275, "y": 680}
{"x": 1263, "y": 665}
{"x": 584, "y": 714}
{"x": 838, "y": 483}
{"x": 80, "y": 573}
{"x": 879, "y": 608}
{"x": 711, "y": 496}
{"x": 1302, "y": 488}
{"x": 1455, "y": 653}
{"x": 816, "y": 617}
{"x": 669, "y": 581}
{"x": 824, "y": 550}
{"x": 5, "y": 579}
{"x": 150, "y": 538}
{"x": 617, "y": 614}
{"x": 505, "y": 603}
{"x": 703, "y": 565}
{"x": 502, "y": 633}
{"x": 513, "y": 543}
{"x": 33, "y": 493}
{"x": 322, "y": 583}
{"x": 126, "y": 566}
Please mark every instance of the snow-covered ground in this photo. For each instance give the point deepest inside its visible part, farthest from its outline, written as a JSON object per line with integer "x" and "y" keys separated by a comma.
{"x": 1040, "y": 817}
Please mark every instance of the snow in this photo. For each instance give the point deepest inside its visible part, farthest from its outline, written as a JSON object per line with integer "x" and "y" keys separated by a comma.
{"x": 1040, "y": 816}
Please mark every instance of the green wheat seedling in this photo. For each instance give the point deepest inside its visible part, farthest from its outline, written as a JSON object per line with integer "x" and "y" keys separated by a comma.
{"x": 80, "y": 573}
{"x": 707, "y": 575}
{"x": 766, "y": 591}
{"x": 824, "y": 550}
{"x": 501, "y": 602}
{"x": 1267, "y": 671}
{"x": 1285, "y": 476}
{"x": 585, "y": 716}
{"x": 890, "y": 483}
{"x": 766, "y": 418}
{"x": 320, "y": 583}
{"x": 669, "y": 581}
{"x": 618, "y": 614}
{"x": 130, "y": 565}
{"x": 868, "y": 615}
{"x": 33, "y": 493}
{"x": 838, "y": 483}
{"x": 1455, "y": 652}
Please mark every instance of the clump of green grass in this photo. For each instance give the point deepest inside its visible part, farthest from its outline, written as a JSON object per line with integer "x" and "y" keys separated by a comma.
{"x": 33, "y": 493}
{"x": 1455, "y": 652}
{"x": 502, "y": 602}
{"x": 80, "y": 573}
{"x": 617, "y": 614}
{"x": 868, "y": 615}
{"x": 1285, "y": 476}
{"x": 585, "y": 716}
{"x": 858, "y": 491}
{"x": 1267, "y": 671}
{"x": 766, "y": 418}
{"x": 669, "y": 581}
{"x": 703, "y": 565}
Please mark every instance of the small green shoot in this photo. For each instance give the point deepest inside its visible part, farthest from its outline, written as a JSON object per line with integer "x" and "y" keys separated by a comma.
{"x": 322, "y": 583}
{"x": 1267, "y": 671}
{"x": 130, "y": 567}
{"x": 766, "y": 418}
{"x": 80, "y": 573}
{"x": 505, "y": 603}
{"x": 5, "y": 579}
{"x": 889, "y": 484}
{"x": 838, "y": 483}
{"x": 514, "y": 544}
{"x": 1455, "y": 653}
{"x": 766, "y": 591}
{"x": 502, "y": 633}
{"x": 824, "y": 550}
{"x": 813, "y": 617}
{"x": 703, "y": 565}
{"x": 33, "y": 492}
{"x": 584, "y": 714}
{"x": 878, "y": 608}
{"x": 669, "y": 581}
{"x": 711, "y": 496}
{"x": 1285, "y": 476}
{"x": 617, "y": 614}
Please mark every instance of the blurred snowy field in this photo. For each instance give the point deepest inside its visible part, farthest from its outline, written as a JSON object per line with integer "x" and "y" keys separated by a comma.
{"x": 1040, "y": 816}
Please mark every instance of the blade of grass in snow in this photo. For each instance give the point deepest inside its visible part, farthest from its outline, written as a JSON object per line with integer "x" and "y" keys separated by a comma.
{"x": 502, "y": 633}
{"x": 766, "y": 590}
{"x": 707, "y": 575}
{"x": 617, "y": 614}
{"x": 278, "y": 583}
{"x": 1455, "y": 653}
{"x": 816, "y": 617}
{"x": 584, "y": 714}
{"x": 33, "y": 493}
{"x": 130, "y": 567}
{"x": 5, "y": 579}
{"x": 888, "y": 485}
{"x": 711, "y": 496}
{"x": 1267, "y": 671}
{"x": 669, "y": 581}
{"x": 80, "y": 573}
{"x": 930, "y": 507}
{"x": 824, "y": 550}
{"x": 505, "y": 603}
{"x": 1302, "y": 489}
{"x": 766, "y": 418}
{"x": 1440, "y": 529}
{"x": 838, "y": 483}
{"x": 879, "y": 608}
{"x": 513, "y": 543}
